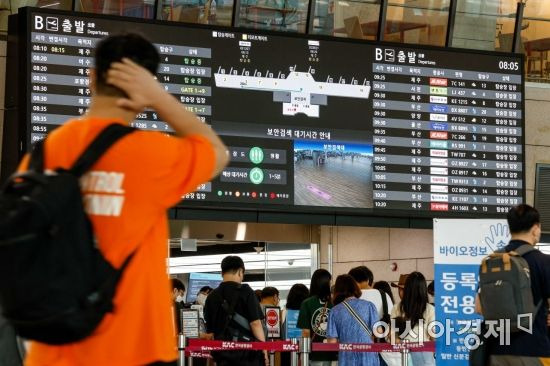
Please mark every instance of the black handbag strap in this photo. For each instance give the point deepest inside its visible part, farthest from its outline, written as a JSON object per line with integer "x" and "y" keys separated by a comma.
{"x": 384, "y": 304}
{"x": 232, "y": 315}
{"x": 106, "y": 138}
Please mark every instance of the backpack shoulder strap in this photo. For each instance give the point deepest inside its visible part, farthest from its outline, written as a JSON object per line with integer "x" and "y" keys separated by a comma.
{"x": 524, "y": 249}
{"x": 99, "y": 146}
{"x": 229, "y": 307}
{"x": 36, "y": 161}
{"x": 357, "y": 318}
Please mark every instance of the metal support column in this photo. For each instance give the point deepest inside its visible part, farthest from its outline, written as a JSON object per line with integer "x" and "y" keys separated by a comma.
{"x": 517, "y": 28}
{"x": 382, "y": 20}
{"x": 305, "y": 349}
{"x": 330, "y": 249}
{"x": 181, "y": 349}
{"x": 157, "y": 13}
{"x": 451, "y": 23}
{"x": 310, "y": 16}
{"x": 271, "y": 358}
{"x": 405, "y": 357}
{"x": 294, "y": 356}
{"x": 235, "y": 18}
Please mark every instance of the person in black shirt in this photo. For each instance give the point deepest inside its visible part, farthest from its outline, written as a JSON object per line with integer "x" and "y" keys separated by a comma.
{"x": 219, "y": 302}
{"x": 528, "y": 348}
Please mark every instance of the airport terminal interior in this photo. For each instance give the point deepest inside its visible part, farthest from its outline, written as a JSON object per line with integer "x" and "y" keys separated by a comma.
{"x": 353, "y": 126}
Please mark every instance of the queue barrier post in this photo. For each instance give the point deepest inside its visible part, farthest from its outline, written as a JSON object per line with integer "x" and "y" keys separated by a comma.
{"x": 405, "y": 356}
{"x": 294, "y": 356}
{"x": 182, "y": 343}
{"x": 271, "y": 358}
{"x": 305, "y": 349}
{"x": 189, "y": 360}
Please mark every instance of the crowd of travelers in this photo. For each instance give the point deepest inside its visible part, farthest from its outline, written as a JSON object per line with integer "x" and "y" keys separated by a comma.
{"x": 353, "y": 308}
{"x": 345, "y": 310}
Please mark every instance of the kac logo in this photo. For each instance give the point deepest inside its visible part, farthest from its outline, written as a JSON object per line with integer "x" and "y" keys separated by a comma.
{"x": 345, "y": 347}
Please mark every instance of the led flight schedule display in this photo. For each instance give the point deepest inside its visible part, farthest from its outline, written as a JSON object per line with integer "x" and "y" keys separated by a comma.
{"x": 310, "y": 123}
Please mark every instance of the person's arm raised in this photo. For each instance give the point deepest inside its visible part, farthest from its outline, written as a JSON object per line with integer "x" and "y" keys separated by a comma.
{"x": 144, "y": 91}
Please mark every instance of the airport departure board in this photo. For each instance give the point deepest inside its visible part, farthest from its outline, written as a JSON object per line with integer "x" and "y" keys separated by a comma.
{"x": 311, "y": 123}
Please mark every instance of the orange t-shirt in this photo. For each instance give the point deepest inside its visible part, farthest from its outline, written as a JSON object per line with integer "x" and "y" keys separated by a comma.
{"x": 126, "y": 195}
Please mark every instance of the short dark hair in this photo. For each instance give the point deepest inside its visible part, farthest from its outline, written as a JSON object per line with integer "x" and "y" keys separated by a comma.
{"x": 320, "y": 284}
{"x": 177, "y": 284}
{"x": 232, "y": 263}
{"x": 362, "y": 274}
{"x": 522, "y": 218}
{"x": 205, "y": 289}
{"x": 431, "y": 288}
{"x": 269, "y": 292}
{"x": 297, "y": 294}
{"x": 117, "y": 47}
{"x": 344, "y": 287}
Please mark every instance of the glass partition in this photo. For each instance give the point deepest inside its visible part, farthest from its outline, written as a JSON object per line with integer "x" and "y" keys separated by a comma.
{"x": 278, "y": 15}
{"x": 131, "y": 8}
{"x": 215, "y": 12}
{"x": 8, "y": 7}
{"x": 485, "y": 24}
{"x": 279, "y": 265}
{"x": 417, "y": 22}
{"x": 288, "y": 264}
{"x": 535, "y": 40}
{"x": 346, "y": 18}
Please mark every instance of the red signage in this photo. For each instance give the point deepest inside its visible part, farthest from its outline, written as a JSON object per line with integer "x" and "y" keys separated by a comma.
{"x": 440, "y": 207}
{"x": 272, "y": 317}
{"x": 438, "y": 82}
{"x": 273, "y": 321}
{"x": 439, "y": 135}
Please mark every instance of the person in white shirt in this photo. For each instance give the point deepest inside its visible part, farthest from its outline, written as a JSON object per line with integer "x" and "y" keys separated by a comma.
{"x": 364, "y": 278}
{"x": 420, "y": 315}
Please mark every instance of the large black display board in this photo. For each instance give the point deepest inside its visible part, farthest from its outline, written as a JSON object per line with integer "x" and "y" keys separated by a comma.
{"x": 313, "y": 124}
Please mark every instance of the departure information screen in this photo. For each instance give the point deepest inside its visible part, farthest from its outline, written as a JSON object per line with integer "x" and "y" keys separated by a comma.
{"x": 312, "y": 123}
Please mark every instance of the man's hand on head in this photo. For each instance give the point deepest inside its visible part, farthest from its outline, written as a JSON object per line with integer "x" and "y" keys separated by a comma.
{"x": 138, "y": 83}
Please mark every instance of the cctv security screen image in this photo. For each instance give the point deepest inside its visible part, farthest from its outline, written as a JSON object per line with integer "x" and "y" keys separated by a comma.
{"x": 311, "y": 123}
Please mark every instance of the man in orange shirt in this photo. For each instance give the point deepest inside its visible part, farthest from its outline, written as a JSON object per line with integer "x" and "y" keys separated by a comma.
{"x": 126, "y": 195}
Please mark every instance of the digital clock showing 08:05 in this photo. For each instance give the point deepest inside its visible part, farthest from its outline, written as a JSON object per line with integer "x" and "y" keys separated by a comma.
{"x": 508, "y": 65}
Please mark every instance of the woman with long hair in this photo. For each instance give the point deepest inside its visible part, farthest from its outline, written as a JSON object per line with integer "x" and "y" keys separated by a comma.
{"x": 384, "y": 286}
{"x": 419, "y": 313}
{"x": 314, "y": 314}
{"x": 297, "y": 294}
{"x": 351, "y": 321}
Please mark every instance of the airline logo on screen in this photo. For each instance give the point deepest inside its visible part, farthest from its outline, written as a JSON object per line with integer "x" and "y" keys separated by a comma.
{"x": 298, "y": 91}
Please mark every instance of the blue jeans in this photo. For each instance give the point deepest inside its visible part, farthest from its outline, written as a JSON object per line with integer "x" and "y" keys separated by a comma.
{"x": 422, "y": 359}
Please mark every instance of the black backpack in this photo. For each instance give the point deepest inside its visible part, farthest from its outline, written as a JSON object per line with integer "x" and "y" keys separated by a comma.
{"x": 55, "y": 285}
{"x": 236, "y": 328}
{"x": 505, "y": 288}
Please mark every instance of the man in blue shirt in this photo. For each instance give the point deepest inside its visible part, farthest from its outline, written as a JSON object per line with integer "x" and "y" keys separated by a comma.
{"x": 528, "y": 348}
